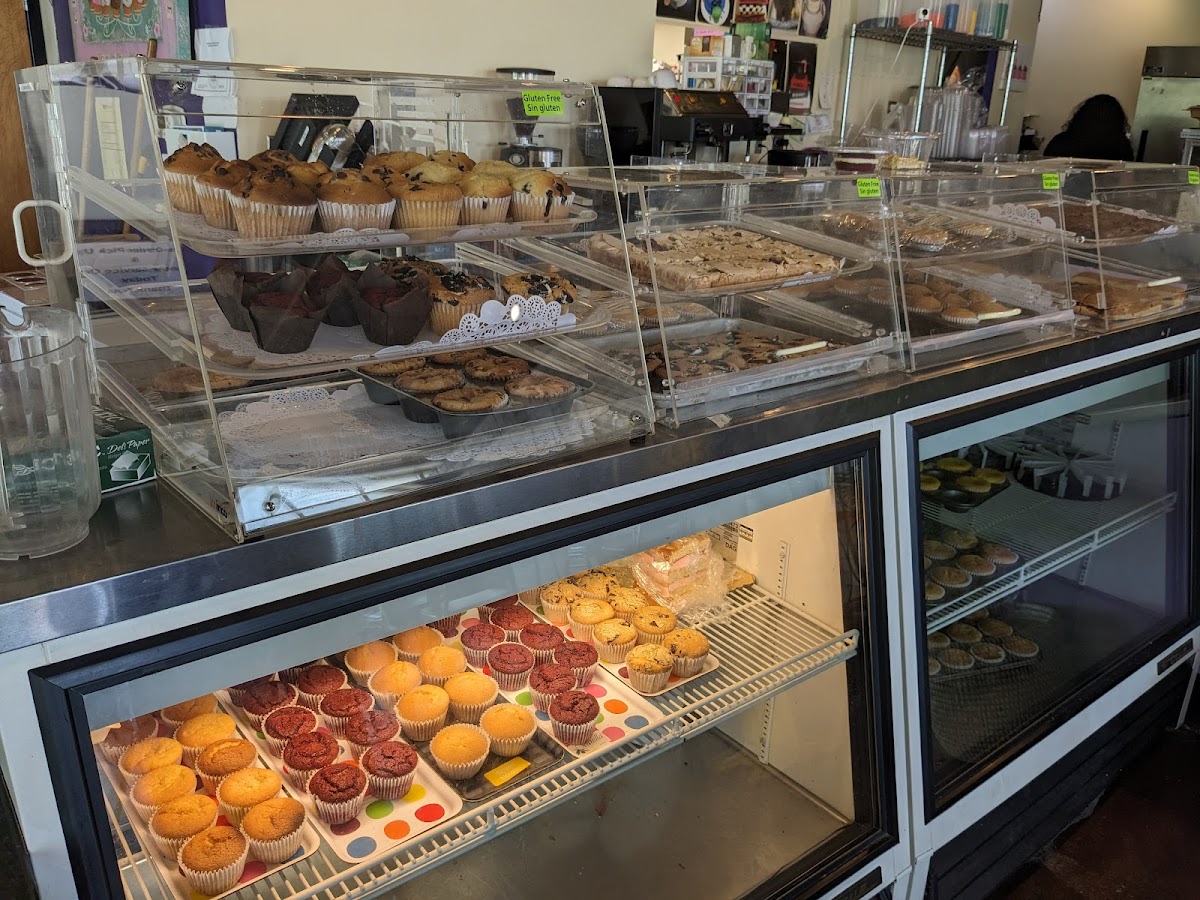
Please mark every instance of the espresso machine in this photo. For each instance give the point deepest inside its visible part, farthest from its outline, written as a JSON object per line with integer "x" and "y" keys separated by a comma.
{"x": 525, "y": 152}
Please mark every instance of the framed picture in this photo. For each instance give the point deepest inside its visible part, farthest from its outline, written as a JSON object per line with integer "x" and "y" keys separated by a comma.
{"x": 779, "y": 56}
{"x": 715, "y": 12}
{"x": 784, "y": 14}
{"x": 802, "y": 76}
{"x": 676, "y": 9}
{"x": 750, "y": 11}
{"x": 102, "y": 29}
{"x": 814, "y": 18}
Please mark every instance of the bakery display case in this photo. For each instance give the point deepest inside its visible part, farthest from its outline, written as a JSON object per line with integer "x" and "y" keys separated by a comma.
{"x": 267, "y": 287}
{"x": 706, "y": 671}
{"x": 1053, "y": 558}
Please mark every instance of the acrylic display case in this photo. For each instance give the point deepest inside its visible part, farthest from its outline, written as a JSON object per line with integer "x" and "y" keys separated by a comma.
{"x": 262, "y": 422}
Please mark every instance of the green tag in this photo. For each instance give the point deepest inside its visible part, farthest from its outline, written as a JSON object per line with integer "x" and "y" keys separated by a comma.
{"x": 542, "y": 103}
{"x": 869, "y": 189}
{"x": 1193, "y": 176}
{"x": 1051, "y": 181}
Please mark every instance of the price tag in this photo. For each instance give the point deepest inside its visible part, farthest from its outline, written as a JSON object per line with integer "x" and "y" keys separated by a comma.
{"x": 542, "y": 103}
{"x": 869, "y": 188}
{"x": 1051, "y": 181}
{"x": 1193, "y": 176}
{"x": 507, "y": 770}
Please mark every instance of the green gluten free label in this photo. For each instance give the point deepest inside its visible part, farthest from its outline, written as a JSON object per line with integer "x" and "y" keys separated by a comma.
{"x": 1193, "y": 176}
{"x": 868, "y": 188}
{"x": 542, "y": 103}
{"x": 1051, "y": 181}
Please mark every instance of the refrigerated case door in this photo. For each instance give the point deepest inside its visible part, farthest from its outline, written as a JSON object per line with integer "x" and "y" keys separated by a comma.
{"x": 1162, "y": 114}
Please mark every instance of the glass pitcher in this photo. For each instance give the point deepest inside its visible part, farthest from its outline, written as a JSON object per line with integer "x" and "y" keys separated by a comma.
{"x": 49, "y": 483}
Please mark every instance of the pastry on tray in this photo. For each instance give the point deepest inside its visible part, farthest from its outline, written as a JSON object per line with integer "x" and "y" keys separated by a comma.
{"x": 392, "y": 309}
{"x": 536, "y": 284}
{"x": 284, "y": 318}
{"x": 540, "y": 196}
{"x": 180, "y": 171}
{"x": 334, "y": 287}
{"x": 454, "y": 295}
{"x": 271, "y": 205}
{"x": 486, "y": 198}
{"x": 213, "y": 188}
{"x": 1121, "y": 299}
{"x": 184, "y": 381}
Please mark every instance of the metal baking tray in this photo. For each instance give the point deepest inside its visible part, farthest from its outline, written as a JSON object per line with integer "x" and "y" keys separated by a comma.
{"x": 456, "y": 425}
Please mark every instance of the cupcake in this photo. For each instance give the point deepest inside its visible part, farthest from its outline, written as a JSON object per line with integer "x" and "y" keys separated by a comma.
{"x": 174, "y": 822}
{"x": 649, "y": 666}
{"x": 509, "y": 727}
{"x": 586, "y": 615}
{"x": 222, "y": 758}
{"x": 510, "y": 664}
{"x": 595, "y": 585}
{"x": 160, "y": 786}
{"x": 976, "y": 565}
{"x": 399, "y": 161}
{"x": 454, "y": 159}
{"x": 950, "y": 577}
{"x": 540, "y": 196}
{"x": 392, "y": 308}
{"x": 420, "y": 204}
{"x": 987, "y": 654}
{"x": 573, "y": 716}
{"x": 412, "y": 643}
{"x": 499, "y": 167}
{"x": 339, "y": 706}
{"x": 933, "y": 667}
{"x": 262, "y": 699}
{"x": 274, "y": 207}
{"x": 244, "y": 789}
{"x": 653, "y": 623}
{"x": 512, "y": 619}
{"x": 938, "y": 551}
{"x": 994, "y": 629}
{"x": 339, "y": 792}
{"x": 461, "y": 358}
{"x": 547, "y": 681}
{"x": 391, "y": 768}
{"x": 478, "y": 640}
{"x": 455, "y": 295}
{"x": 315, "y": 682}
{"x": 963, "y": 634}
{"x": 197, "y": 733}
{"x": 690, "y": 649}
{"x": 213, "y": 188}
{"x": 955, "y": 660}
{"x": 556, "y": 600}
{"x": 124, "y": 735}
{"x": 350, "y": 200}
{"x": 430, "y": 172}
{"x": 460, "y": 750}
{"x": 148, "y": 755}
{"x": 273, "y": 829}
{"x": 366, "y": 729}
{"x": 422, "y": 711}
{"x": 998, "y": 554}
{"x": 212, "y": 861}
{"x": 178, "y": 713}
{"x": 486, "y": 199}
{"x": 447, "y": 625}
{"x": 392, "y": 680}
{"x": 470, "y": 695}
{"x": 273, "y": 159}
{"x": 308, "y": 174}
{"x": 285, "y": 318}
{"x": 365, "y": 660}
{"x": 934, "y": 592}
{"x": 1019, "y": 647}
{"x": 333, "y": 287}
{"x": 581, "y": 658}
{"x": 437, "y": 664}
{"x": 180, "y": 171}
{"x": 237, "y": 693}
{"x": 959, "y": 539}
{"x": 304, "y": 754}
{"x": 543, "y": 639}
{"x": 938, "y": 641}
{"x": 285, "y": 723}
{"x": 613, "y": 639}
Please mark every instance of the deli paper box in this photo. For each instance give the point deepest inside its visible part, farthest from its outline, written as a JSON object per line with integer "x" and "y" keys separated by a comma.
{"x": 124, "y": 450}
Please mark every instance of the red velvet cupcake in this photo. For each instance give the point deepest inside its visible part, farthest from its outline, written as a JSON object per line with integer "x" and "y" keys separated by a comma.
{"x": 366, "y": 729}
{"x": 582, "y": 659}
{"x": 339, "y": 792}
{"x": 478, "y": 640}
{"x": 285, "y": 723}
{"x": 306, "y": 753}
{"x": 548, "y": 681}
{"x": 510, "y": 665}
{"x": 338, "y": 707}
{"x": 265, "y": 697}
{"x": 317, "y": 681}
{"x": 512, "y": 619}
{"x": 542, "y": 639}
{"x": 573, "y": 716}
{"x": 391, "y": 767}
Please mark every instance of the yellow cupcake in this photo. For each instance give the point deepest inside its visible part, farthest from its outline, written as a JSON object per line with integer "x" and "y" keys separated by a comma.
{"x": 437, "y": 664}
{"x": 510, "y": 728}
{"x": 412, "y": 643}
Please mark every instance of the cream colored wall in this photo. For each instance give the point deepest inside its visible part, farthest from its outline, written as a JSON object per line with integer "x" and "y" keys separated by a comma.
{"x": 1088, "y": 47}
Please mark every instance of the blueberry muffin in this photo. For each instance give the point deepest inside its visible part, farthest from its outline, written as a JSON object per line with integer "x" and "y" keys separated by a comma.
{"x": 540, "y": 196}
{"x": 349, "y": 199}
{"x": 454, "y": 295}
{"x": 486, "y": 198}
{"x": 536, "y": 284}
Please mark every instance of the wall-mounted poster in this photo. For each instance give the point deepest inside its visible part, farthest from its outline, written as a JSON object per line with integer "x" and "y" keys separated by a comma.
{"x": 106, "y": 28}
{"x": 779, "y": 56}
{"x": 814, "y": 18}
{"x": 676, "y": 9}
{"x": 716, "y": 12}
{"x": 802, "y": 76}
{"x": 751, "y": 11}
{"x": 784, "y": 14}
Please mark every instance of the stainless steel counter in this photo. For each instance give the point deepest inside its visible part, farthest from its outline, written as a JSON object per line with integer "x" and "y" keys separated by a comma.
{"x": 148, "y": 550}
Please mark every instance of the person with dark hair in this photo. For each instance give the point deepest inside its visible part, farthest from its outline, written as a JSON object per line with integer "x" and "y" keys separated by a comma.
{"x": 1098, "y": 129}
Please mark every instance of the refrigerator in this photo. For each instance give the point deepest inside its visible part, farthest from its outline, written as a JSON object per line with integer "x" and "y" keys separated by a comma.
{"x": 1170, "y": 84}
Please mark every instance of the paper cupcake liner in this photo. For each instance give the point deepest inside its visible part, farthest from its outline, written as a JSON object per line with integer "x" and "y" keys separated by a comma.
{"x": 614, "y": 653}
{"x": 447, "y": 623}
{"x": 181, "y": 191}
{"x": 337, "y": 813}
{"x": 476, "y": 658}
{"x": 357, "y": 749}
{"x": 530, "y": 597}
{"x": 217, "y": 881}
{"x": 421, "y": 730}
{"x": 386, "y": 700}
{"x": 512, "y": 681}
{"x": 355, "y": 216}
{"x": 336, "y": 724}
{"x": 172, "y": 724}
{"x": 235, "y": 814}
{"x": 146, "y": 812}
{"x": 170, "y": 847}
{"x": 540, "y": 656}
{"x": 556, "y": 613}
{"x": 541, "y": 702}
{"x": 686, "y": 668}
{"x": 444, "y": 317}
{"x": 214, "y": 206}
{"x": 485, "y": 615}
{"x": 191, "y": 754}
{"x": 474, "y": 211}
{"x": 644, "y": 638}
{"x": 648, "y": 682}
{"x": 211, "y": 782}
{"x": 291, "y": 673}
{"x": 528, "y": 208}
{"x": 471, "y": 712}
{"x": 424, "y": 214}
{"x": 513, "y": 746}
{"x": 275, "y": 744}
{"x": 439, "y": 680}
{"x": 581, "y": 631}
{"x": 313, "y": 701}
{"x": 386, "y": 788}
{"x": 513, "y": 636}
{"x": 405, "y": 656}
{"x": 362, "y": 677}
{"x": 277, "y": 851}
{"x": 257, "y": 220}
{"x": 584, "y": 676}
{"x": 459, "y": 771}
{"x": 114, "y": 754}
{"x": 300, "y": 777}
{"x": 573, "y": 735}
{"x": 128, "y": 777}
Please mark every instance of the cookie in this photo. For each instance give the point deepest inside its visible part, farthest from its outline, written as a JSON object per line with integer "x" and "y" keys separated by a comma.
{"x": 393, "y": 367}
{"x": 538, "y": 387}
{"x": 496, "y": 369}
{"x": 471, "y": 399}
{"x": 429, "y": 380}
{"x": 458, "y": 357}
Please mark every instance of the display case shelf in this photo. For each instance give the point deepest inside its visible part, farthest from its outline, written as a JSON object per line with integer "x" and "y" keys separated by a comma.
{"x": 1047, "y": 532}
{"x": 118, "y": 198}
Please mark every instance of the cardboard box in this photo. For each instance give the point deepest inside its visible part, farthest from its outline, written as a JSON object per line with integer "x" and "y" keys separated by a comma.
{"x": 124, "y": 450}
{"x": 705, "y": 41}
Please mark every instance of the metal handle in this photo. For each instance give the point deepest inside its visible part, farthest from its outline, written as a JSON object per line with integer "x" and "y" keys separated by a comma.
{"x": 65, "y": 228}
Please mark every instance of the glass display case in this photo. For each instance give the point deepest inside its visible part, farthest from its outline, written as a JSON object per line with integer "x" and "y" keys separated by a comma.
{"x": 1054, "y": 556}
{"x": 712, "y": 715}
{"x": 263, "y": 332}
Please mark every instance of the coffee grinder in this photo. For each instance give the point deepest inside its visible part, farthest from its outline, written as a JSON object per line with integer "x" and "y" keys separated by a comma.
{"x": 524, "y": 153}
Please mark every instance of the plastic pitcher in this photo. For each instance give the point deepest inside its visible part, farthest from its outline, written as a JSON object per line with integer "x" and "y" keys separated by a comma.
{"x": 49, "y": 483}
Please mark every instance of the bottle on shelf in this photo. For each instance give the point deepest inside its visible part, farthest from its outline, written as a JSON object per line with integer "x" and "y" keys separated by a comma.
{"x": 950, "y": 15}
{"x": 1000, "y": 32}
{"x": 985, "y": 19}
{"x": 878, "y": 13}
{"x": 967, "y": 10}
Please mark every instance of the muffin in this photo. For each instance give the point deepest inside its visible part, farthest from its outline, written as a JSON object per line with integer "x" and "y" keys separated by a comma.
{"x": 263, "y": 699}
{"x": 595, "y": 585}
{"x": 306, "y": 753}
{"x": 540, "y": 196}
{"x": 437, "y": 664}
{"x": 246, "y": 788}
{"x": 308, "y": 174}
{"x": 315, "y": 682}
{"x": 197, "y": 733}
{"x": 933, "y": 667}
{"x": 455, "y": 295}
{"x": 273, "y": 829}
{"x": 509, "y": 727}
{"x": 454, "y": 159}
{"x": 478, "y": 640}
{"x": 499, "y": 167}
{"x": 650, "y": 667}
{"x": 543, "y": 639}
{"x": 573, "y": 716}
{"x": 556, "y": 600}
{"x": 213, "y": 188}
{"x": 275, "y": 207}
{"x": 176, "y": 821}
{"x": 653, "y": 623}
{"x": 180, "y": 171}
{"x": 613, "y": 639}
{"x": 285, "y": 723}
{"x": 987, "y": 654}
{"x": 391, "y": 768}
{"x": 549, "y": 287}
{"x": 212, "y": 861}
{"x": 510, "y": 664}
{"x": 976, "y": 565}
{"x": 339, "y": 706}
{"x": 237, "y": 693}
{"x": 582, "y": 659}
{"x": 950, "y": 577}
{"x": 1019, "y": 647}
{"x": 994, "y": 629}
{"x": 179, "y": 713}
{"x": 412, "y": 643}
{"x": 512, "y": 619}
{"x": 690, "y": 649}
{"x": 124, "y": 735}
{"x": 348, "y": 199}
{"x": 934, "y": 592}
{"x": 486, "y": 199}
{"x": 959, "y": 539}
{"x": 938, "y": 641}
{"x": 470, "y": 695}
{"x": 366, "y": 729}
{"x": 273, "y": 159}
{"x": 392, "y": 308}
{"x": 938, "y": 550}
{"x": 954, "y": 464}
{"x": 430, "y": 172}
{"x": 547, "y": 681}
{"x": 392, "y": 680}
{"x": 422, "y": 204}
{"x": 955, "y": 660}
{"x": 221, "y": 759}
{"x": 585, "y": 615}
{"x": 160, "y": 786}
{"x": 399, "y": 161}
{"x": 422, "y": 711}
{"x": 339, "y": 792}
{"x": 485, "y": 611}
{"x": 962, "y": 633}
{"x": 460, "y": 750}
{"x": 148, "y": 755}
{"x": 998, "y": 554}
{"x": 367, "y": 659}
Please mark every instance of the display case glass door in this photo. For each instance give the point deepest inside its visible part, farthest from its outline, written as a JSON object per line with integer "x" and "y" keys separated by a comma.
{"x": 1054, "y": 556}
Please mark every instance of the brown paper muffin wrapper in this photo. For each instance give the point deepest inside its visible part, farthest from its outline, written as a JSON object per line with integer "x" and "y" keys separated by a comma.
{"x": 277, "y": 851}
{"x": 424, "y": 214}
{"x": 421, "y": 730}
{"x": 614, "y": 653}
{"x": 355, "y": 216}
{"x": 513, "y": 746}
{"x": 573, "y": 735}
{"x": 338, "y": 298}
{"x": 471, "y": 712}
{"x": 181, "y": 191}
{"x": 390, "y": 788}
{"x": 337, "y": 813}
{"x": 584, "y": 676}
{"x": 686, "y": 668}
{"x": 510, "y": 681}
{"x": 282, "y": 331}
{"x": 485, "y": 210}
{"x": 262, "y": 221}
{"x": 217, "y": 881}
{"x": 398, "y": 322}
{"x": 477, "y": 658}
{"x": 214, "y": 206}
{"x": 529, "y": 208}
{"x": 445, "y": 317}
{"x": 170, "y": 847}
{"x": 648, "y": 682}
{"x": 459, "y": 771}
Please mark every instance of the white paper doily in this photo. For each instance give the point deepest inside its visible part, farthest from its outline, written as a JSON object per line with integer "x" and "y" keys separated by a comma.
{"x": 1022, "y": 215}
